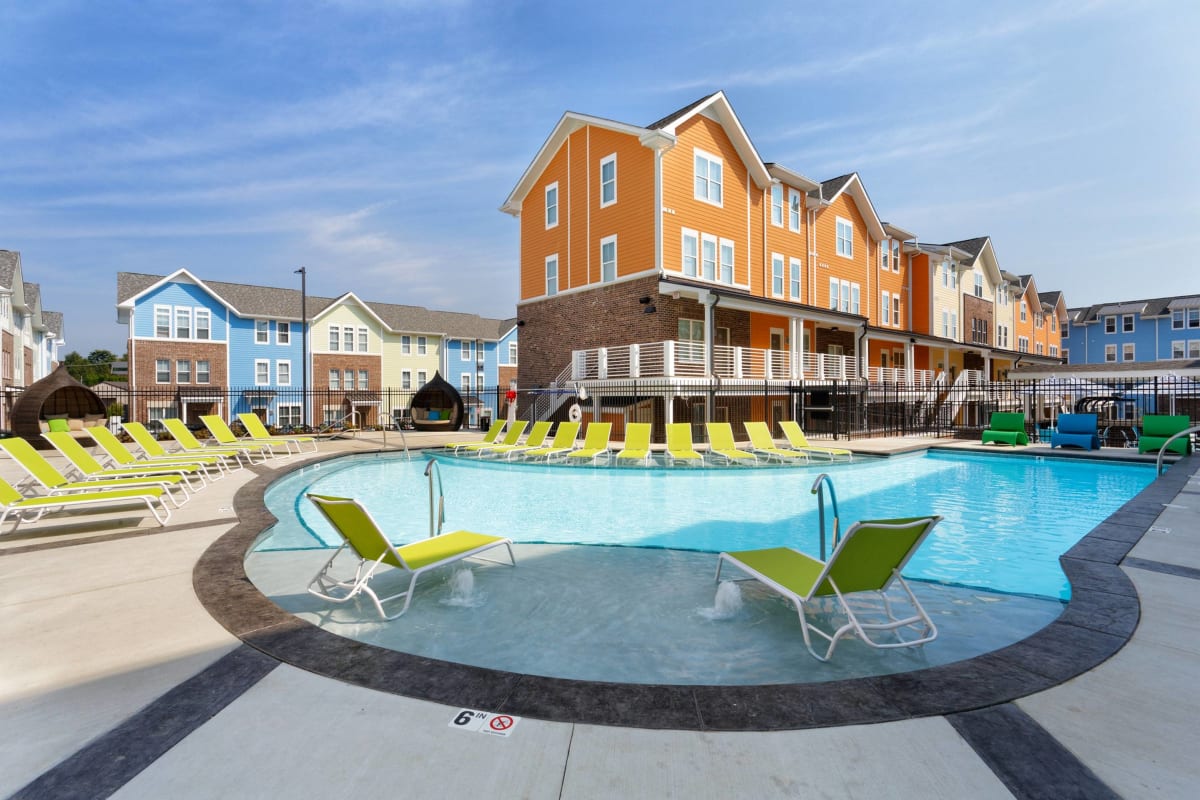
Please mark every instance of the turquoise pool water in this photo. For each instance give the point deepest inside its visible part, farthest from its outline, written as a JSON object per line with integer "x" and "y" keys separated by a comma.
{"x": 1007, "y": 518}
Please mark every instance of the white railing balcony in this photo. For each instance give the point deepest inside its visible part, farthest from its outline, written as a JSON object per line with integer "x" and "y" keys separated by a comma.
{"x": 671, "y": 359}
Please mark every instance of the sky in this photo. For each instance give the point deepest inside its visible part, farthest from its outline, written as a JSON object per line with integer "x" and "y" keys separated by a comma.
{"x": 373, "y": 142}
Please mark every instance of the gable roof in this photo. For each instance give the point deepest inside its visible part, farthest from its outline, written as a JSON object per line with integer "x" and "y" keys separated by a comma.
{"x": 53, "y": 321}
{"x": 982, "y": 250}
{"x": 851, "y": 184}
{"x": 10, "y": 263}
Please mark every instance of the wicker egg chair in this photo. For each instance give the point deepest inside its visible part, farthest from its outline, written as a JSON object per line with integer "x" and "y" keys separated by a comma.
{"x": 56, "y": 394}
{"x": 437, "y": 406}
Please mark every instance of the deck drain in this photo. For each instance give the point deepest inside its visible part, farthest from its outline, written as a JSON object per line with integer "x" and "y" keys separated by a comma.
{"x": 1158, "y": 529}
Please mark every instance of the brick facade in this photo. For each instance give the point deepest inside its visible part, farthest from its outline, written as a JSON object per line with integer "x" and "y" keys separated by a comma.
{"x": 143, "y": 377}
{"x": 979, "y": 323}
{"x": 323, "y": 363}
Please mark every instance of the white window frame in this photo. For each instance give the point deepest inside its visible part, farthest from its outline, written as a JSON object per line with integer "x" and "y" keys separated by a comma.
{"x": 845, "y": 237}
{"x": 794, "y": 210}
{"x": 183, "y": 370}
{"x": 422, "y": 345}
{"x": 885, "y": 309}
{"x": 262, "y": 364}
{"x": 364, "y": 379}
{"x": 1024, "y": 311}
{"x": 689, "y": 262}
{"x": 608, "y": 268}
{"x": 159, "y": 312}
{"x": 406, "y": 379}
{"x": 1193, "y": 317}
{"x": 945, "y": 324}
{"x": 162, "y": 366}
{"x": 609, "y": 159}
{"x": 1128, "y": 324}
{"x": 1193, "y": 348}
{"x": 348, "y": 379}
{"x": 834, "y": 293}
{"x": 885, "y": 255}
{"x": 1110, "y": 354}
{"x": 551, "y": 207}
{"x": 512, "y": 353}
{"x": 205, "y": 315}
{"x": 777, "y": 211}
{"x": 406, "y": 345}
{"x": 283, "y": 332}
{"x": 896, "y": 256}
{"x": 464, "y": 349}
{"x": 710, "y": 160}
{"x": 283, "y": 372}
{"x": 422, "y": 378}
{"x": 708, "y": 257}
{"x": 778, "y": 275}
{"x": 725, "y": 269}
{"x": 183, "y": 313}
{"x": 335, "y": 379}
{"x": 335, "y": 338}
{"x": 1110, "y": 323}
{"x": 978, "y": 284}
{"x": 1039, "y": 348}
{"x": 552, "y": 275}
{"x": 1178, "y": 319}
{"x": 1054, "y": 351}
{"x": 206, "y": 372}
{"x": 855, "y": 296}
{"x": 1128, "y": 352}
{"x": 1179, "y": 348}
{"x": 795, "y": 278}
{"x": 464, "y": 382}
{"x": 262, "y": 331}
{"x": 347, "y": 339}
{"x": 364, "y": 339}
{"x": 287, "y": 414}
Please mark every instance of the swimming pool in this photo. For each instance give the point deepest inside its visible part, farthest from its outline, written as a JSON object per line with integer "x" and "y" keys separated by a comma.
{"x": 1007, "y": 519}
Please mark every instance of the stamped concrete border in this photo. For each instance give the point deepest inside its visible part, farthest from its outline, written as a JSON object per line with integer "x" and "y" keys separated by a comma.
{"x": 1097, "y": 622}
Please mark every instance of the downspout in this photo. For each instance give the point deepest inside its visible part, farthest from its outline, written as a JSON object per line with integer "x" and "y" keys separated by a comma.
{"x": 862, "y": 357}
{"x": 766, "y": 211}
{"x": 710, "y": 305}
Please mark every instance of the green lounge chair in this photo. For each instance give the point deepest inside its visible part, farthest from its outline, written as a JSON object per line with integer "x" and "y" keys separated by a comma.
{"x": 763, "y": 444}
{"x": 537, "y": 437}
{"x": 32, "y": 509}
{"x": 562, "y": 443}
{"x": 679, "y": 444}
{"x": 43, "y": 472}
{"x": 153, "y": 449}
{"x": 257, "y": 430}
{"x": 91, "y": 469}
{"x": 224, "y": 436}
{"x": 363, "y": 538}
{"x": 798, "y": 441}
{"x": 1157, "y": 428}
{"x": 1006, "y": 428}
{"x": 595, "y": 443}
{"x": 722, "y": 444}
{"x": 868, "y": 559}
{"x": 513, "y": 437}
{"x": 637, "y": 443}
{"x": 493, "y": 433}
{"x": 212, "y": 467}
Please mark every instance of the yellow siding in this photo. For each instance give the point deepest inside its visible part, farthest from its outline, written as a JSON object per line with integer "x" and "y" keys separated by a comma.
{"x": 395, "y": 361}
{"x": 343, "y": 315}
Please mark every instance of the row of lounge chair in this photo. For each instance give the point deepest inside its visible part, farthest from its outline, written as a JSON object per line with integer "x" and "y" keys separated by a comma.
{"x": 159, "y": 479}
{"x": 1080, "y": 430}
{"x": 680, "y": 448}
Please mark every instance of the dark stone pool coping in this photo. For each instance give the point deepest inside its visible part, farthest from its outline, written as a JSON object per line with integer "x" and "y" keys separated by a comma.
{"x": 1097, "y": 622}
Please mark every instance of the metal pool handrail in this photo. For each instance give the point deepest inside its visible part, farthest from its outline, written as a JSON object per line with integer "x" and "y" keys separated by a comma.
{"x": 431, "y": 470}
{"x": 818, "y": 488}
{"x": 1162, "y": 450}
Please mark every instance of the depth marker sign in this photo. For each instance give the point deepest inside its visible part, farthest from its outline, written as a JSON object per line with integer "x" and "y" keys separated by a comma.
{"x": 469, "y": 719}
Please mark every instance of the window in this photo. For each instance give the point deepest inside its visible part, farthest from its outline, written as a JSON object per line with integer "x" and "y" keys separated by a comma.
{"x": 979, "y": 284}
{"x": 552, "y": 274}
{"x": 896, "y": 309}
{"x": 162, "y": 322}
{"x": 793, "y": 210}
{"x": 421, "y": 378}
{"x": 1053, "y": 323}
{"x": 512, "y": 353}
{"x": 262, "y": 372}
{"x": 1110, "y": 353}
{"x": 334, "y": 338}
{"x": 405, "y": 379}
{"x": 845, "y": 238}
{"x": 945, "y": 324}
{"x": 1023, "y": 346}
{"x": 1194, "y": 348}
{"x": 895, "y": 256}
{"x": 183, "y": 323}
{"x": 1127, "y": 323}
{"x": 421, "y": 345}
{"x": 854, "y": 293}
{"x": 691, "y": 253}
{"x": 1002, "y": 295}
{"x": 1110, "y": 324}
{"x": 777, "y": 275}
{"x": 202, "y": 372}
{"x": 348, "y": 339}
{"x": 708, "y": 257}
{"x": 289, "y": 415}
{"x": 1127, "y": 352}
{"x": 183, "y": 371}
{"x": 608, "y": 259}
{"x": 335, "y": 379}
{"x": 464, "y": 350}
{"x": 1177, "y": 317}
{"x": 1178, "y": 349}
{"x": 283, "y": 373}
{"x": 348, "y": 379}
{"x": 726, "y": 275}
{"x": 885, "y": 308}
{"x": 203, "y": 324}
{"x": 885, "y": 254}
{"x": 834, "y": 292}
{"x": 552, "y": 205}
{"x": 1054, "y": 350}
{"x": 608, "y": 180}
{"x": 1193, "y": 317}
{"x": 406, "y": 345}
{"x": 691, "y": 340}
{"x": 708, "y": 177}
{"x": 162, "y": 370}
{"x": 262, "y": 331}
{"x": 777, "y": 205}
{"x": 1039, "y": 320}
{"x": 1066, "y": 354}
{"x": 362, "y": 340}
{"x": 1024, "y": 311}
{"x": 283, "y": 332}
{"x": 479, "y": 380}
{"x": 1040, "y": 348}
{"x": 364, "y": 379}
{"x": 795, "y": 269}
{"x": 464, "y": 382}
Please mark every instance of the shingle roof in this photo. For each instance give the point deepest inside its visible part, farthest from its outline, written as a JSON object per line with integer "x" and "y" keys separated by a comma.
{"x": 1050, "y": 298}
{"x": 667, "y": 120}
{"x": 33, "y": 293}
{"x": 8, "y": 267}
{"x": 53, "y": 320}
{"x": 972, "y": 246}
{"x": 269, "y": 301}
{"x": 832, "y": 186}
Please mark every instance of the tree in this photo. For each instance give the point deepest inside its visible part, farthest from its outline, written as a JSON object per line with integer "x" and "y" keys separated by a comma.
{"x": 95, "y": 368}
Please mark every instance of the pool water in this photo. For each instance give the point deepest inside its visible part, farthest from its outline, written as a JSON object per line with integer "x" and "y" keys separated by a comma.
{"x": 1007, "y": 519}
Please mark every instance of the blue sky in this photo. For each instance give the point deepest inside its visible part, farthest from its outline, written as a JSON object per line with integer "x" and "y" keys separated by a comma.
{"x": 372, "y": 142}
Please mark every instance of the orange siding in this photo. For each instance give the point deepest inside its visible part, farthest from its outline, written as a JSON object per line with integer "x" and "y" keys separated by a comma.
{"x": 536, "y": 241}
{"x": 858, "y": 269}
{"x": 760, "y": 330}
{"x": 922, "y": 293}
{"x": 631, "y": 218}
{"x": 585, "y": 261}
{"x": 783, "y": 240}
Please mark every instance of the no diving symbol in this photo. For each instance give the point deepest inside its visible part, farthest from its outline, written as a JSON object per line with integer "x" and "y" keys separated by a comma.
{"x": 500, "y": 723}
{"x": 469, "y": 719}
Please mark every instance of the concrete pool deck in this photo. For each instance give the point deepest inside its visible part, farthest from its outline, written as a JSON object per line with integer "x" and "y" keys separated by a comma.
{"x": 116, "y": 681}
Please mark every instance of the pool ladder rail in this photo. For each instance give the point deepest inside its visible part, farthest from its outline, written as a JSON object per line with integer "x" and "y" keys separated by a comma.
{"x": 818, "y": 488}
{"x": 437, "y": 517}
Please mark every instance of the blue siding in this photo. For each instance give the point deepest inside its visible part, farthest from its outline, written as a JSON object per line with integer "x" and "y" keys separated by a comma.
{"x": 178, "y": 294}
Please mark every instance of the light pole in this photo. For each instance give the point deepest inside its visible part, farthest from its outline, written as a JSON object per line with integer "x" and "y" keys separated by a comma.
{"x": 303, "y": 273}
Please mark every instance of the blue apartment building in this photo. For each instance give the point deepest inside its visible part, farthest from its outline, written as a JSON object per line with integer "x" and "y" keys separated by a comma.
{"x": 1136, "y": 331}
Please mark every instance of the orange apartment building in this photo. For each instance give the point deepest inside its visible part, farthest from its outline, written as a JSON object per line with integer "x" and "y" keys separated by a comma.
{"x": 674, "y": 252}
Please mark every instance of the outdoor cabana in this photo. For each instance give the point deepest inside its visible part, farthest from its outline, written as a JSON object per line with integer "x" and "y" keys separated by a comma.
{"x": 437, "y": 406}
{"x": 56, "y": 396}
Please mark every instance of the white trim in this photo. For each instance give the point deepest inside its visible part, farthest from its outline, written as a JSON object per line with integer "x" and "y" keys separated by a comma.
{"x": 288, "y": 340}
{"x": 288, "y": 364}
{"x": 838, "y": 239}
{"x": 603, "y": 242}
{"x": 795, "y": 279}
{"x": 708, "y": 241}
{"x": 546, "y": 205}
{"x": 794, "y": 195}
{"x": 698, "y": 153}
{"x": 266, "y": 331}
{"x": 546, "y": 275}
{"x": 779, "y": 274}
{"x": 578, "y": 289}
{"x": 685, "y": 235}
{"x": 188, "y": 362}
{"x": 609, "y": 159}
{"x": 266, "y": 363}
{"x": 778, "y": 208}
{"x": 158, "y": 361}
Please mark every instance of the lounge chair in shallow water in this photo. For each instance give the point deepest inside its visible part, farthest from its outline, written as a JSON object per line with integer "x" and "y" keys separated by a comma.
{"x": 254, "y": 426}
{"x": 32, "y": 509}
{"x": 120, "y": 454}
{"x": 363, "y": 538}
{"x": 679, "y": 444}
{"x": 537, "y": 437}
{"x": 490, "y": 437}
{"x": 91, "y": 469}
{"x": 763, "y": 444}
{"x": 43, "y": 472}
{"x": 151, "y": 447}
{"x": 562, "y": 443}
{"x": 595, "y": 443}
{"x": 722, "y": 445}
{"x": 637, "y": 443}
{"x": 513, "y": 437}
{"x": 865, "y": 563}
{"x": 798, "y": 441}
